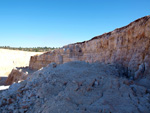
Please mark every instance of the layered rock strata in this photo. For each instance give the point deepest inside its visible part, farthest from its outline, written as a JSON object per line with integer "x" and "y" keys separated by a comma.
{"x": 127, "y": 47}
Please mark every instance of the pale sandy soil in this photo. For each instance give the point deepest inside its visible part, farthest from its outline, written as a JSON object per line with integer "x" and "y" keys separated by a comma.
{"x": 10, "y": 59}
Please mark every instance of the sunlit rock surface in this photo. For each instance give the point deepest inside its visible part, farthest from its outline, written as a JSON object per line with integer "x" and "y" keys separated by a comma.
{"x": 127, "y": 47}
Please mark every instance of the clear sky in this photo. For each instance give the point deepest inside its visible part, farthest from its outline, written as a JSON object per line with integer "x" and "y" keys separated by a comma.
{"x": 54, "y": 23}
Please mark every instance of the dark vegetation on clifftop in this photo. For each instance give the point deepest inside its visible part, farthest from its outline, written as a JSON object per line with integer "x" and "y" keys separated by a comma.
{"x": 32, "y": 49}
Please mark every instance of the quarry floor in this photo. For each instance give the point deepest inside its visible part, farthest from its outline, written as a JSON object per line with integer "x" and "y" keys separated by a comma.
{"x": 10, "y": 59}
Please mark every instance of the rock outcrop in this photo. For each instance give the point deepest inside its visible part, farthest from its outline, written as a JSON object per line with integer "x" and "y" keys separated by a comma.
{"x": 127, "y": 47}
{"x": 15, "y": 76}
{"x": 18, "y": 74}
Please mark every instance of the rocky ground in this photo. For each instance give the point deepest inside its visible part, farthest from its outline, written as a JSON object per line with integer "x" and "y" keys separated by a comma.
{"x": 76, "y": 87}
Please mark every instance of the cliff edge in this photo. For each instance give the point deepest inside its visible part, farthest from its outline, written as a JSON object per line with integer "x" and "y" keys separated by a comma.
{"x": 126, "y": 47}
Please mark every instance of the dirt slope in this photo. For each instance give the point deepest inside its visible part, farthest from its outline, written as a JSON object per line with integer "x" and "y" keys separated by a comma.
{"x": 76, "y": 87}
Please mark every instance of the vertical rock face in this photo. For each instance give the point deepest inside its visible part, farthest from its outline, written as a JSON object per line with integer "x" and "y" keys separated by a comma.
{"x": 127, "y": 47}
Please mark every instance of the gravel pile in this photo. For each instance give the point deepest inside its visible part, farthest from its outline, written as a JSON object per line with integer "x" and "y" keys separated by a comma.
{"x": 76, "y": 87}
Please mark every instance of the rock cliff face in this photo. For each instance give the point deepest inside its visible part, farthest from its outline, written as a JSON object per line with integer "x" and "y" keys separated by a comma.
{"x": 15, "y": 76}
{"x": 18, "y": 74}
{"x": 127, "y": 47}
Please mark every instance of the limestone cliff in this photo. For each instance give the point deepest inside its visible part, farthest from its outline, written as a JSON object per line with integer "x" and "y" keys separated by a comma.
{"x": 127, "y": 47}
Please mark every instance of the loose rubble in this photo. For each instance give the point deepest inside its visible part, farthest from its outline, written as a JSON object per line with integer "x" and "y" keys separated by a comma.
{"x": 76, "y": 87}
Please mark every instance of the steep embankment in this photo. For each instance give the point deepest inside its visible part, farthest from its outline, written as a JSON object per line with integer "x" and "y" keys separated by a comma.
{"x": 128, "y": 47}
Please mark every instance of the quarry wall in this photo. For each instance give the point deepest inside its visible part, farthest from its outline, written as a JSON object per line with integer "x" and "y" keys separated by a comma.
{"x": 128, "y": 46}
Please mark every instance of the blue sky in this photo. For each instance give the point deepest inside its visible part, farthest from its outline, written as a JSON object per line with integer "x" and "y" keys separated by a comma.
{"x": 54, "y": 23}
